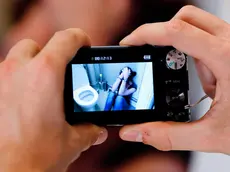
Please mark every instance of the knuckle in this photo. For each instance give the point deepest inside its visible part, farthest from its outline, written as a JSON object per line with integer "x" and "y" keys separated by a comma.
{"x": 59, "y": 35}
{"x": 43, "y": 76}
{"x": 184, "y": 11}
{"x": 28, "y": 41}
{"x": 224, "y": 50}
{"x": 76, "y": 31}
{"x": 75, "y": 138}
{"x": 144, "y": 26}
{"x": 226, "y": 31}
{"x": 223, "y": 58}
{"x": 47, "y": 62}
{"x": 8, "y": 66}
{"x": 46, "y": 65}
{"x": 221, "y": 54}
{"x": 70, "y": 35}
{"x": 161, "y": 140}
{"x": 175, "y": 26}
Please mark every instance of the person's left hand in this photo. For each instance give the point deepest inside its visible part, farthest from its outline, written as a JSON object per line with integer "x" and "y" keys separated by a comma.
{"x": 126, "y": 73}
{"x": 34, "y": 135}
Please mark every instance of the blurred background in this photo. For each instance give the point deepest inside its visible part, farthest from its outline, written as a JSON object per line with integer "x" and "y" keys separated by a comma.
{"x": 107, "y": 22}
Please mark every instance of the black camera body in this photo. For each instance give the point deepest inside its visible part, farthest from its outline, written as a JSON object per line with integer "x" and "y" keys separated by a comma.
{"x": 118, "y": 85}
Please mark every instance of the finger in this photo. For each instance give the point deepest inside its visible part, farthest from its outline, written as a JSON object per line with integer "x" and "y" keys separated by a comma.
{"x": 170, "y": 135}
{"x": 219, "y": 28}
{"x": 62, "y": 48}
{"x": 186, "y": 38}
{"x": 207, "y": 78}
{"x": 84, "y": 136}
{"x": 204, "y": 21}
{"x": 23, "y": 51}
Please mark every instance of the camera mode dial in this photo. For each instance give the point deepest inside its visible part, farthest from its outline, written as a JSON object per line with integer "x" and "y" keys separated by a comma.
{"x": 175, "y": 60}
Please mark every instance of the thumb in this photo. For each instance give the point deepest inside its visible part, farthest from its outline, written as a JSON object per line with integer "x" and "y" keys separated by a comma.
{"x": 170, "y": 135}
{"x": 84, "y": 136}
{"x": 207, "y": 78}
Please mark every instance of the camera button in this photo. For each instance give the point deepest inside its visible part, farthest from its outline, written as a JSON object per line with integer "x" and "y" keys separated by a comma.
{"x": 170, "y": 114}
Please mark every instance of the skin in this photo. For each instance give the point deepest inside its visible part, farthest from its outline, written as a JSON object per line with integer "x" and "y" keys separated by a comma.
{"x": 207, "y": 39}
{"x": 123, "y": 90}
{"x": 35, "y": 113}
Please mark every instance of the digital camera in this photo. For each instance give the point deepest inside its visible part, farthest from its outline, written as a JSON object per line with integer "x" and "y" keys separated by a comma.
{"x": 119, "y": 85}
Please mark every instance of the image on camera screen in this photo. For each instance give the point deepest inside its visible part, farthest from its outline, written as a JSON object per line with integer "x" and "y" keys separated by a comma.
{"x": 113, "y": 86}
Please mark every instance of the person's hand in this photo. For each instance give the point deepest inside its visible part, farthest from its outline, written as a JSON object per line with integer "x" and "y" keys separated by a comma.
{"x": 126, "y": 73}
{"x": 34, "y": 135}
{"x": 207, "y": 39}
{"x": 121, "y": 76}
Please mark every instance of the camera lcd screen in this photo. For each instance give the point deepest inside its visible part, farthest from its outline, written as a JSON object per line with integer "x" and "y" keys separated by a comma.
{"x": 113, "y": 86}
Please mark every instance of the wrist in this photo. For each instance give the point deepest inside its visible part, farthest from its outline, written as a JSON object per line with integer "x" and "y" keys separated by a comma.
{"x": 119, "y": 77}
{"x": 125, "y": 79}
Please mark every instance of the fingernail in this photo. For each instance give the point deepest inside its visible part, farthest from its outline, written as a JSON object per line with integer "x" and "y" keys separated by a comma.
{"x": 101, "y": 138}
{"x": 128, "y": 40}
{"x": 132, "y": 135}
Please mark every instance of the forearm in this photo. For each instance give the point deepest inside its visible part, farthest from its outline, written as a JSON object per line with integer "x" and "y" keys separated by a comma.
{"x": 116, "y": 84}
{"x": 122, "y": 88}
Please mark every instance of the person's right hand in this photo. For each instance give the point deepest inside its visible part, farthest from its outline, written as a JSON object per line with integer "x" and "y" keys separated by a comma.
{"x": 34, "y": 135}
{"x": 207, "y": 39}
